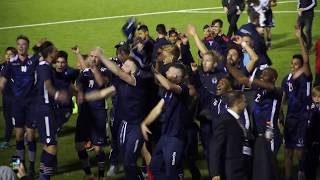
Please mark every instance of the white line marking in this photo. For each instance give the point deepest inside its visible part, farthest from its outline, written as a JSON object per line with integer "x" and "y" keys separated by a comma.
{"x": 222, "y": 12}
{"x": 117, "y": 17}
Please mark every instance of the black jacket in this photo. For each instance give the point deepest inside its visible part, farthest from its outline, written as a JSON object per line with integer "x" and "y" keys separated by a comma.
{"x": 308, "y": 5}
{"x": 232, "y": 5}
{"x": 226, "y": 157}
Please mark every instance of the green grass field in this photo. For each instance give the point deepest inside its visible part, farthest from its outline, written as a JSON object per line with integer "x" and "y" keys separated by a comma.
{"x": 106, "y": 33}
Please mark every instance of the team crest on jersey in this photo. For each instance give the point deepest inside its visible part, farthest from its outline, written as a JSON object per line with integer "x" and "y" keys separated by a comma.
{"x": 48, "y": 140}
{"x": 29, "y": 62}
{"x": 214, "y": 80}
{"x": 91, "y": 83}
{"x": 215, "y": 103}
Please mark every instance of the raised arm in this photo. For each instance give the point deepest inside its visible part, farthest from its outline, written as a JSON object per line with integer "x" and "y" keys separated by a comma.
{"x": 304, "y": 53}
{"x": 252, "y": 54}
{"x": 191, "y": 30}
{"x": 79, "y": 57}
{"x": 164, "y": 82}
{"x": 152, "y": 116}
{"x": 116, "y": 70}
{"x": 100, "y": 94}
{"x": 248, "y": 81}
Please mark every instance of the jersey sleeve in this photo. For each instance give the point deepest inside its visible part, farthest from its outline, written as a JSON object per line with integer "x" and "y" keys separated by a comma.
{"x": 44, "y": 71}
{"x": 6, "y": 72}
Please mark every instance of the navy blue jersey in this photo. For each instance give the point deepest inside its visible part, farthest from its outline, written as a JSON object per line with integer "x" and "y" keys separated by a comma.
{"x": 44, "y": 72}
{"x": 298, "y": 92}
{"x": 211, "y": 44}
{"x": 63, "y": 81}
{"x": 7, "y": 91}
{"x": 175, "y": 113}
{"x": 266, "y": 108}
{"x": 132, "y": 100}
{"x": 87, "y": 83}
{"x": 22, "y": 75}
{"x": 210, "y": 80}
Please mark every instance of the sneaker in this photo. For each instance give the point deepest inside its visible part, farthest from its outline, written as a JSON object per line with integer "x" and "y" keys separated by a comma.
{"x": 4, "y": 145}
{"x": 112, "y": 171}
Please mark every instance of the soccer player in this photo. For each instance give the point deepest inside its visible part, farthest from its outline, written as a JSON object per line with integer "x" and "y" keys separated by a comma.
{"x": 160, "y": 41}
{"x": 313, "y": 136}
{"x": 65, "y": 78}
{"x": 122, "y": 54}
{"x": 131, "y": 108}
{"x": 170, "y": 148}
{"x": 46, "y": 95}
{"x": 233, "y": 9}
{"x": 21, "y": 71}
{"x": 92, "y": 119}
{"x": 265, "y": 112}
{"x": 7, "y": 99}
{"x": 297, "y": 86}
{"x": 258, "y": 40}
{"x": 143, "y": 48}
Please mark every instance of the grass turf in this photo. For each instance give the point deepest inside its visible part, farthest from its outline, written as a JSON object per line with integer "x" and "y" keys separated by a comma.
{"x": 106, "y": 33}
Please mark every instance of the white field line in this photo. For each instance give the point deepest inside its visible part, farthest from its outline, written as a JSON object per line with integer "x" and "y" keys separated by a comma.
{"x": 194, "y": 10}
{"x": 222, "y": 12}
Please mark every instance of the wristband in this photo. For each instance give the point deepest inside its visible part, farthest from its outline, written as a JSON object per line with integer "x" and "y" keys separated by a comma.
{"x": 56, "y": 95}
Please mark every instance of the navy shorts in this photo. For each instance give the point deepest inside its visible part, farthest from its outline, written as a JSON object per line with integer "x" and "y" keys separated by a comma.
{"x": 62, "y": 115}
{"x": 91, "y": 125}
{"x": 269, "y": 18}
{"x": 23, "y": 113}
{"x": 294, "y": 133}
{"x": 46, "y": 124}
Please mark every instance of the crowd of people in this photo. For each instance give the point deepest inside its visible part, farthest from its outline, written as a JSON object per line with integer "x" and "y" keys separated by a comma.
{"x": 164, "y": 102}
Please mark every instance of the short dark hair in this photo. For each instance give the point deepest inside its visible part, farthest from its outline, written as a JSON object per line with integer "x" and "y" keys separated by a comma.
{"x": 299, "y": 57}
{"x": 46, "y": 48}
{"x": 205, "y": 26}
{"x": 143, "y": 28}
{"x": 232, "y": 97}
{"x": 63, "y": 54}
{"x": 219, "y": 21}
{"x": 180, "y": 66}
{"x": 237, "y": 48}
{"x": 172, "y": 31}
{"x": 12, "y": 49}
{"x": 273, "y": 72}
{"x": 124, "y": 49}
{"x": 161, "y": 29}
{"x": 24, "y": 38}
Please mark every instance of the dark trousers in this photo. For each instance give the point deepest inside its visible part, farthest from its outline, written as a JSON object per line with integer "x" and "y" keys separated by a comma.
{"x": 305, "y": 21}
{"x": 191, "y": 151}
{"x": 166, "y": 161}
{"x": 130, "y": 144}
{"x": 312, "y": 161}
{"x": 232, "y": 19}
{"x": 6, "y": 105}
{"x": 114, "y": 128}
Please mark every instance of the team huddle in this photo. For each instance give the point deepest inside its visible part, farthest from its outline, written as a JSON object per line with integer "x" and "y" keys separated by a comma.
{"x": 163, "y": 102}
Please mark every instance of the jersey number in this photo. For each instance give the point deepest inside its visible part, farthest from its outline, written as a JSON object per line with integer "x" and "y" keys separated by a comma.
{"x": 290, "y": 87}
{"x": 23, "y": 68}
{"x": 257, "y": 98}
